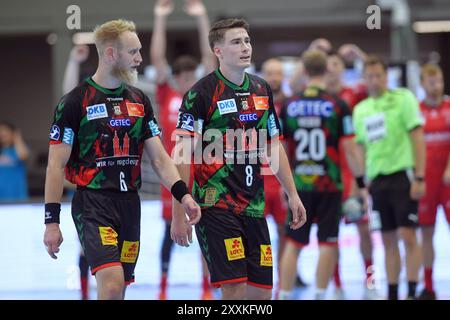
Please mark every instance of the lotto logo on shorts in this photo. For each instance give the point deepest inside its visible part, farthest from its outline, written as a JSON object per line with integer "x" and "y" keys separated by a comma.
{"x": 129, "y": 251}
{"x": 266, "y": 255}
{"x": 108, "y": 235}
{"x": 235, "y": 248}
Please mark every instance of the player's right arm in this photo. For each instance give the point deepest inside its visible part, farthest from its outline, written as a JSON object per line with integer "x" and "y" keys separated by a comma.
{"x": 180, "y": 226}
{"x": 58, "y": 157}
{"x": 158, "y": 43}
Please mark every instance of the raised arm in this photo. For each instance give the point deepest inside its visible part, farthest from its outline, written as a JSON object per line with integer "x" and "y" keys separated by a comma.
{"x": 197, "y": 9}
{"x": 158, "y": 45}
{"x": 78, "y": 55}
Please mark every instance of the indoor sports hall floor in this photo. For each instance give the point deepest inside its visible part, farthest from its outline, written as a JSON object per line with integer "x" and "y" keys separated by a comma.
{"x": 29, "y": 273}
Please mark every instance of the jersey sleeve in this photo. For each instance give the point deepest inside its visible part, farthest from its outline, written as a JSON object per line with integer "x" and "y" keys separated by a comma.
{"x": 66, "y": 119}
{"x": 273, "y": 123}
{"x": 411, "y": 115}
{"x": 191, "y": 114}
{"x": 150, "y": 125}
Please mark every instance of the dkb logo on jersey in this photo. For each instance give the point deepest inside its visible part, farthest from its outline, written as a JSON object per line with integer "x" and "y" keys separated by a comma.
{"x": 235, "y": 248}
{"x": 266, "y": 255}
{"x": 96, "y": 111}
{"x": 227, "y": 106}
{"x": 129, "y": 251}
{"x": 108, "y": 236}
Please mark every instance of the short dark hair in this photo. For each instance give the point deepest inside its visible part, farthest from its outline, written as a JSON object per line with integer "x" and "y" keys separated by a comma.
{"x": 217, "y": 31}
{"x": 184, "y": 63}
{"x": 315, "y": 62}
{"x": 373, "y": 60}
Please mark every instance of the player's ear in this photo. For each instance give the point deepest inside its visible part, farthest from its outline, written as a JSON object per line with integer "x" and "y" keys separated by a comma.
{"x": 218, "y": 52}
{"x": 111, "y": 54}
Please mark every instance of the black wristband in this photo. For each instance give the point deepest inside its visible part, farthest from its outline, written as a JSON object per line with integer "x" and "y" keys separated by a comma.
{"x": 52, "y": 211}
{"x": 360, "y": 182}
{"x": 179, "y": 190}
{"x": 419, "y": 179}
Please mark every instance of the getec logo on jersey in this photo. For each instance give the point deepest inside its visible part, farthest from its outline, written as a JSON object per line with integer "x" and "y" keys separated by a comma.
{"x": 266, "y": 255}
{"x": 135, "y": 109}
{"x": 261, "y": 103}
{"x": 120, "y": 122}
{"x": 108, "y": 236}
{"x": 227, "y": 106}
{"x": 235, "y": 248}
{"x": 248, "y": 117}
{"x": 96, "y": 111}
{"x": 130, "y": 251}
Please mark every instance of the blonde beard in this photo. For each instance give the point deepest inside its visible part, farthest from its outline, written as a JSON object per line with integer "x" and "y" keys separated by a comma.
{"x": 127, "y": 76}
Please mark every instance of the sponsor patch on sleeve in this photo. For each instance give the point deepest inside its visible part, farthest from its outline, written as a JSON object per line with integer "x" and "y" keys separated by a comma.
{"x": 55, "y": 133}
{"x": 68, "y": 136}
{"x": 187, "y": 122}
{"x": 154, "y": 128}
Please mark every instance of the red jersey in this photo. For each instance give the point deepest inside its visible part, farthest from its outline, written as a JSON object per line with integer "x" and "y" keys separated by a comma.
{"x": 437, "y": 135}
{"x": 169, "y": 102}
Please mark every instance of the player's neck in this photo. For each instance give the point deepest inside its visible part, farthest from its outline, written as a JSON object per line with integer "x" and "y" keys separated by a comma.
{"x": 317, "y": 82}
{"x": 105, "y": 79}
{"x": 334, "y": 86}
{"x": 433, "y": 101}
{"x": 236, "y": 76}
{"x": 377, "y": 94}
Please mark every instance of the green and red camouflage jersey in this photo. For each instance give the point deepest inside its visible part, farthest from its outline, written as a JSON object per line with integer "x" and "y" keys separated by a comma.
{"x": 234, "y": 124}
{"x": 107, "y": 130}
{"x": 313, "y": 122}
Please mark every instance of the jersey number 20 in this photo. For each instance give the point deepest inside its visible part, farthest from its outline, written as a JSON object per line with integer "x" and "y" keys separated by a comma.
{"x": 311, "y": 144}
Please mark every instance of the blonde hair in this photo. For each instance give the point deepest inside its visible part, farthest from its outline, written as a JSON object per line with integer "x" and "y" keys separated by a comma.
{"x": 110, "y": 31}
{"x": 315, "y": 62}
{"x": 430, "y": 69}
